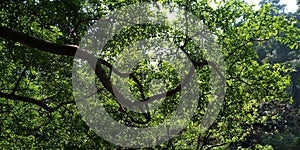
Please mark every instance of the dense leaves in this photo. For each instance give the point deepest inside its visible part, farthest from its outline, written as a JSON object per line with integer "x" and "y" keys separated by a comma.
{"x": 37, "y": 108}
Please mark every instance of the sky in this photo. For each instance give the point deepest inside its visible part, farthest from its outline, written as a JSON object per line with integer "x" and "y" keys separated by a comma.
{"x": 291, "y": 4}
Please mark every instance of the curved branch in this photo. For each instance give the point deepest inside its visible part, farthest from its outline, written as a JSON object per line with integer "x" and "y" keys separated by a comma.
{"x": 93, "y": 61}
{"x": 54, "y": 48}
{"x": 33, "y": 101}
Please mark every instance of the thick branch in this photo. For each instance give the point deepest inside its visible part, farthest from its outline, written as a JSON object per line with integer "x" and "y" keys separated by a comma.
{"x": 68, "y": 50}
{"x": 94, "y": 62}
{"x": 34, "y": 42}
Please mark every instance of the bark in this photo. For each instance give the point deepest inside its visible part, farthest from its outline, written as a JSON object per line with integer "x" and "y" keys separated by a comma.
{"x": 94, "y": 62}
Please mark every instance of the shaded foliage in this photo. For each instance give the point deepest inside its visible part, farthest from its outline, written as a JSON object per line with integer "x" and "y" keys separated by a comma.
{"x": 37, "y": 107}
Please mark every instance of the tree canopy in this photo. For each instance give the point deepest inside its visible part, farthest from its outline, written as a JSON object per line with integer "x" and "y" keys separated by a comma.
{"x": 40, "y": 40}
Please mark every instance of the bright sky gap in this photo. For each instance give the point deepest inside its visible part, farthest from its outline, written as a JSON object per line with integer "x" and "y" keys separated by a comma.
{"x": 291, "y": 4}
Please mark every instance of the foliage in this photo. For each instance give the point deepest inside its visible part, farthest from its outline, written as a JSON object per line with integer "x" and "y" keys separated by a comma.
{"x": 37, "y": 107}
{"x": 284, "y": 132}
{"x": 284, "y": 140}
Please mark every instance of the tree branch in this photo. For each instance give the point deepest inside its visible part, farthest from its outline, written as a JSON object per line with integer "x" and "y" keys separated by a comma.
{"x": 93, "y": 61}
{"x": 54, "y": 48}
{"x": 9, "y": 34}
{"x": 19, "y": 80}
{"x": 33, "y": 101}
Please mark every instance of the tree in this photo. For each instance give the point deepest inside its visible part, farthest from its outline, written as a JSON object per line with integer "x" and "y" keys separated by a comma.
{"x": 38, "y": 44}
{"x": 278, "y": 8}
{"x": 283, "y": 132}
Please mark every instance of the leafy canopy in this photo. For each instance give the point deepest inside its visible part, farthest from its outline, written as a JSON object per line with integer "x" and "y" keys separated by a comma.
{"x": 37, "y": 103}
